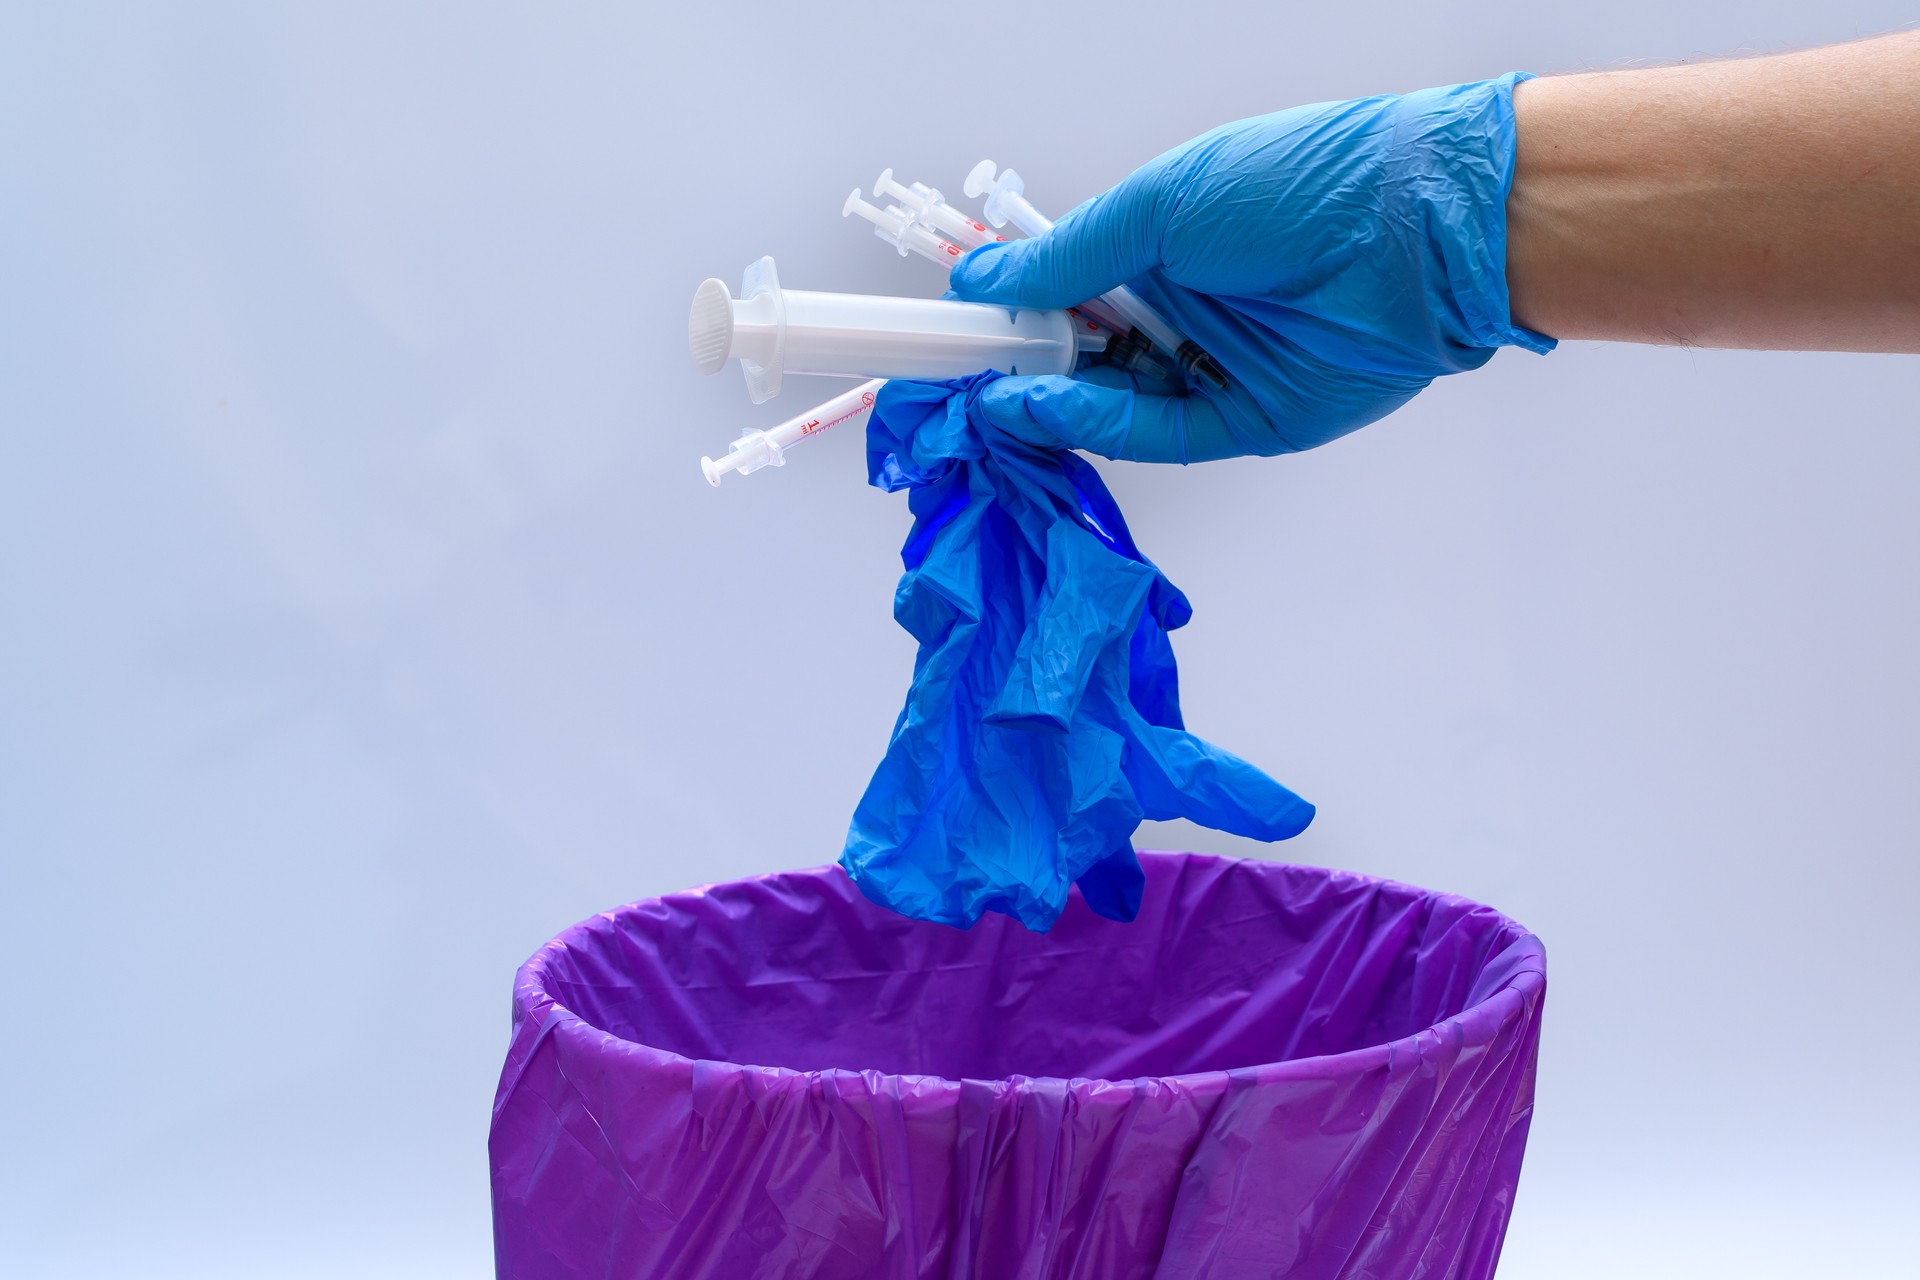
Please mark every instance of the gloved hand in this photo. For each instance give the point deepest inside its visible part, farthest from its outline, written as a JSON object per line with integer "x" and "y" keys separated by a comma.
{"x": 1334, "y": 259}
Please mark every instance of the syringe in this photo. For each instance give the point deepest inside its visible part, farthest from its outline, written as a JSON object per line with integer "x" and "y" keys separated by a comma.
{"x": 932, "y": 208}
{"x": 756, "y": 449}
{"x": 907, "y": 232}
{"x": 1006, "y": 201}
{"x": 775, "y": 331}
{"x": 900, "y": 229}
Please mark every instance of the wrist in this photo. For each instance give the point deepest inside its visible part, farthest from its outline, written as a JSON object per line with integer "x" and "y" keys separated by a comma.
{"x": 1571, "y": 199}
{"x": 1760, "y": 202}
{"x": 1530, "y": 213}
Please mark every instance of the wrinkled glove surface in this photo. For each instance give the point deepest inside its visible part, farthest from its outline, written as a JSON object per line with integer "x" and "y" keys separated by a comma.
{"x": 1043, "y": 722}
{"x": 1334, "y": 258}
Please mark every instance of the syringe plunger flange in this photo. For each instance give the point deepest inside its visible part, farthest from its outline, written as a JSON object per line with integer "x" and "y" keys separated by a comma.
{"x": 1006, "y": 199}
{"x": 752, "y": 327}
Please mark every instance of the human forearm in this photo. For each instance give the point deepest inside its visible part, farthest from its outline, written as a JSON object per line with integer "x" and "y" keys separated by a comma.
{"x": 1766, "y": 203}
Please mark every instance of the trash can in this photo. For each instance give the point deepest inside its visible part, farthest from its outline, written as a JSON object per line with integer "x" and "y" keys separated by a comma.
{"x": 1273, "y": 1071}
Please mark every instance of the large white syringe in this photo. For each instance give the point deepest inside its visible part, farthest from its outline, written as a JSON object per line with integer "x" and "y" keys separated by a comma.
{"x": 774, "y": 332}
{"x": 756, "y": 448}
{"x": 1006, "y": 201}
{"x": 918, "y": 230}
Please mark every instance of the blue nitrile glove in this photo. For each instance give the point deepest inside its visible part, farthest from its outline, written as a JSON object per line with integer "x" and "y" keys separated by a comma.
{"x": 1043, "y": 722}
{"x": 1334, "y": 259}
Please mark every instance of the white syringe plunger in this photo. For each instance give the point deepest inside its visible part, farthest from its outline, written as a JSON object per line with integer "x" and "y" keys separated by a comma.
{"x": 912, "y": 194}
{"x": 887, "y": 226}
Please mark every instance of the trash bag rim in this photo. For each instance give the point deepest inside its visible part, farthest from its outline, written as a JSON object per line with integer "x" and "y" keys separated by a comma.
{"x": 1479, "y": 1023}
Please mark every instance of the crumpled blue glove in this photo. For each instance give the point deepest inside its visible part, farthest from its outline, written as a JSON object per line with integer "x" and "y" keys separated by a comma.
{"x": 1334, "y": 259}
{"x": 1043, "y": 721}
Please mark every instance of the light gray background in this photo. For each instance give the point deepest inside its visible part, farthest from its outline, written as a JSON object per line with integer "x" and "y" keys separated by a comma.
{"x": 355, "y": 633}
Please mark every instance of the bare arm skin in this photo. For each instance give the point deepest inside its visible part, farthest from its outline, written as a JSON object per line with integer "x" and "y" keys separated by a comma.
{"x": 1767, "y": 203}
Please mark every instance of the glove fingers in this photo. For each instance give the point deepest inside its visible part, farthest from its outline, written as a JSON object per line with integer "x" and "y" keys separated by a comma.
{"x": 1182, "y": 429}
{"x": 1056, "y": 412}
{"x": 1097, "y": 247}
{"x": 1205, "y": 426}
{"x": 1109, "y": 375}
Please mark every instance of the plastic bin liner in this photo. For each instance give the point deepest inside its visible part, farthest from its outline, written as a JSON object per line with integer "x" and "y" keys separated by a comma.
{"x": 1043, "y": 721}
{"x": 1274, "y": 1071}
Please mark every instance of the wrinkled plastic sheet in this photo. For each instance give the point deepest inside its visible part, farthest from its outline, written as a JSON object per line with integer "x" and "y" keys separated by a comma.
{"x": 1273, "y": 1071}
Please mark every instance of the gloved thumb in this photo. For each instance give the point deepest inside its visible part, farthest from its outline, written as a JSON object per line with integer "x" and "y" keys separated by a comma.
{"x": 1096, "y": 248}
{"x": 1056, "y": 412}
{"x": 1118, "y": 422}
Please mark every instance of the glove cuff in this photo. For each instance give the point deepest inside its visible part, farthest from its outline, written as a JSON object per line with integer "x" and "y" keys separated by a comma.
{"x": 1472, "y": 125}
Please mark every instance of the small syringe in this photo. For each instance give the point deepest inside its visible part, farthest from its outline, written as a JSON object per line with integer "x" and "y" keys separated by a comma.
{"x": 1006, "y": 201}
{"x": 903, "y": 231}
{"x": 756, "y": 449}
{"x": 932, "y": 208}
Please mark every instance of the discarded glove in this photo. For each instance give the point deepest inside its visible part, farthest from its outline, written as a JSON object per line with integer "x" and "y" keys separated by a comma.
{"x": 1043, "y": 722}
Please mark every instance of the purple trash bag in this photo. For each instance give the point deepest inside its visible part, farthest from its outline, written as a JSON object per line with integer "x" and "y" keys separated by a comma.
{"x": 1273, "y": 1071}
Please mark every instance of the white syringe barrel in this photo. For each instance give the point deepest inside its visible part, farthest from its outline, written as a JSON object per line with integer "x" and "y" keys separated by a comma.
{"x": 923, "y": 241}
{"x": 774, "y": 332}
{"x": 958, "y": 227}
{"x": 1105, "y": 314}
{"x": 851, "y": 334}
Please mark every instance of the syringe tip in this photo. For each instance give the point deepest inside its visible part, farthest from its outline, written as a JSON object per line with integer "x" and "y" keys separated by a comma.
{"x": 1199, "y": 363}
